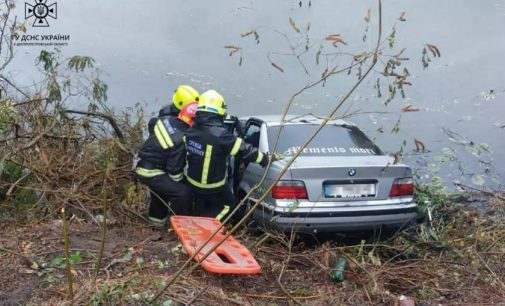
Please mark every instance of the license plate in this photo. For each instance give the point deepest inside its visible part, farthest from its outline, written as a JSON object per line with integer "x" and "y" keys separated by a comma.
{"x": 349, "y": 190}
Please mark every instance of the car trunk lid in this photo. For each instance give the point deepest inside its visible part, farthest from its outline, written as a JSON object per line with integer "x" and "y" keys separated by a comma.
{"x": 346, "y": 178}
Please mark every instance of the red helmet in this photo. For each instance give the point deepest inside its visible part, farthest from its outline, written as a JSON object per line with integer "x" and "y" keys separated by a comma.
{"x": 188, "y": 112}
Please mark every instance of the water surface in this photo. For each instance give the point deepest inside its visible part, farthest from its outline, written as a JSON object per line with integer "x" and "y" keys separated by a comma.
{"x": 146, "y": 48}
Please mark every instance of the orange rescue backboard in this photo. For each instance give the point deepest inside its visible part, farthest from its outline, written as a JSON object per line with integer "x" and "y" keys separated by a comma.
{"x": 230, "y": 257}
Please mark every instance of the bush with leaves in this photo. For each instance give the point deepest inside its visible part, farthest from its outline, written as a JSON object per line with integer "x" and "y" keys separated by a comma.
{"x": 67, "y": 154}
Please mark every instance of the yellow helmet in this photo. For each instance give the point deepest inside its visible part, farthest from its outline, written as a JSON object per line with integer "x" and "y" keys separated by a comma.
{"x": 211, "y": 101}
{"x": 184, "y": 95}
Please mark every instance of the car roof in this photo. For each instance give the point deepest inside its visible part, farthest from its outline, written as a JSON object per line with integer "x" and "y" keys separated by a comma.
{"x": 275, "y": 120}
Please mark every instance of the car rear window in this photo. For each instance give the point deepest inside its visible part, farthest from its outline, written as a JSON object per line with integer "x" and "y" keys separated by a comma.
{"x": 331, "y": 140}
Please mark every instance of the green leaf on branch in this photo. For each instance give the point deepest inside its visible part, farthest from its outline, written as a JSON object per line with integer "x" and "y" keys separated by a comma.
{"x": 99, "y": 90}
{"x": 54, "y": 91}
{"x": 48, "y": 60}
{"x": 79, "y": 63}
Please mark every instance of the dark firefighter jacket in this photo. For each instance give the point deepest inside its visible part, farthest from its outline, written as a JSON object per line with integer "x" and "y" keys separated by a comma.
{"x": 163, "y": 151}
{"x": 208, "y": 146}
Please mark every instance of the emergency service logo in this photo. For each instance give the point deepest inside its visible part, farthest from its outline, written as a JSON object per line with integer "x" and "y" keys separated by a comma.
{"x": 40, "y": 11}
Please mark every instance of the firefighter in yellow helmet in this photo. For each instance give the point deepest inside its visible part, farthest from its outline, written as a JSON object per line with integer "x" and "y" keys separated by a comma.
{"x": 163, "y": 157}
{"x": 208, "y": 145}
{"x": 183, "y": 95}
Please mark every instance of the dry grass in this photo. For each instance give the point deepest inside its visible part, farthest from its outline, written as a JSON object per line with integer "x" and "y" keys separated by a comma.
{"x": 459, "y": 261}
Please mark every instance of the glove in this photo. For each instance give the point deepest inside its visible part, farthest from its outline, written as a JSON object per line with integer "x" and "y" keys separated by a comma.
{"x": 264, "y": 161}
{"x": 276, "y": 157}
{"x": 273, "y": 157}
{"x": 233, "y": 118}
{"x": 237, "y": 125}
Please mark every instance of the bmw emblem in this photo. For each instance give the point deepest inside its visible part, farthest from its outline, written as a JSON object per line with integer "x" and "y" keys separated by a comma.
{"x": 351, "y": 172}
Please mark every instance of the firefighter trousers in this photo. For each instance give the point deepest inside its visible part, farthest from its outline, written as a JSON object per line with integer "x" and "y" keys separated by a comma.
{"x": 165, "y": 191}
{"x": 214, "y": 203}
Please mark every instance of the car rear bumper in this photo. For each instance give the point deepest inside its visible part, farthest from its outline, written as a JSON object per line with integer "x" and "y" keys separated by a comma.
{"x": 339, "y": 219}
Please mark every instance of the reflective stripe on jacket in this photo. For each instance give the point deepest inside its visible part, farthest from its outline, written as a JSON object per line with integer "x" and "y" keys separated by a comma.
{"x": 163, "y": 151}
{"x": 148, "y": 172}
{"x": 208, "y": 146}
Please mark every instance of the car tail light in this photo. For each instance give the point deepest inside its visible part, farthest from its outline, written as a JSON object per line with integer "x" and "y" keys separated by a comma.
{"x": 402, "y": 187}
{"x": 289, "y": 190}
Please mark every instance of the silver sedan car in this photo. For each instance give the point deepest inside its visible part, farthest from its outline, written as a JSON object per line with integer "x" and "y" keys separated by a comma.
{"x": 340, "y": 182}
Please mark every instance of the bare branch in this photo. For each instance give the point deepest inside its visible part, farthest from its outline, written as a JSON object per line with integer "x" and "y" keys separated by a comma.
{"x": 109, "y": 119}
